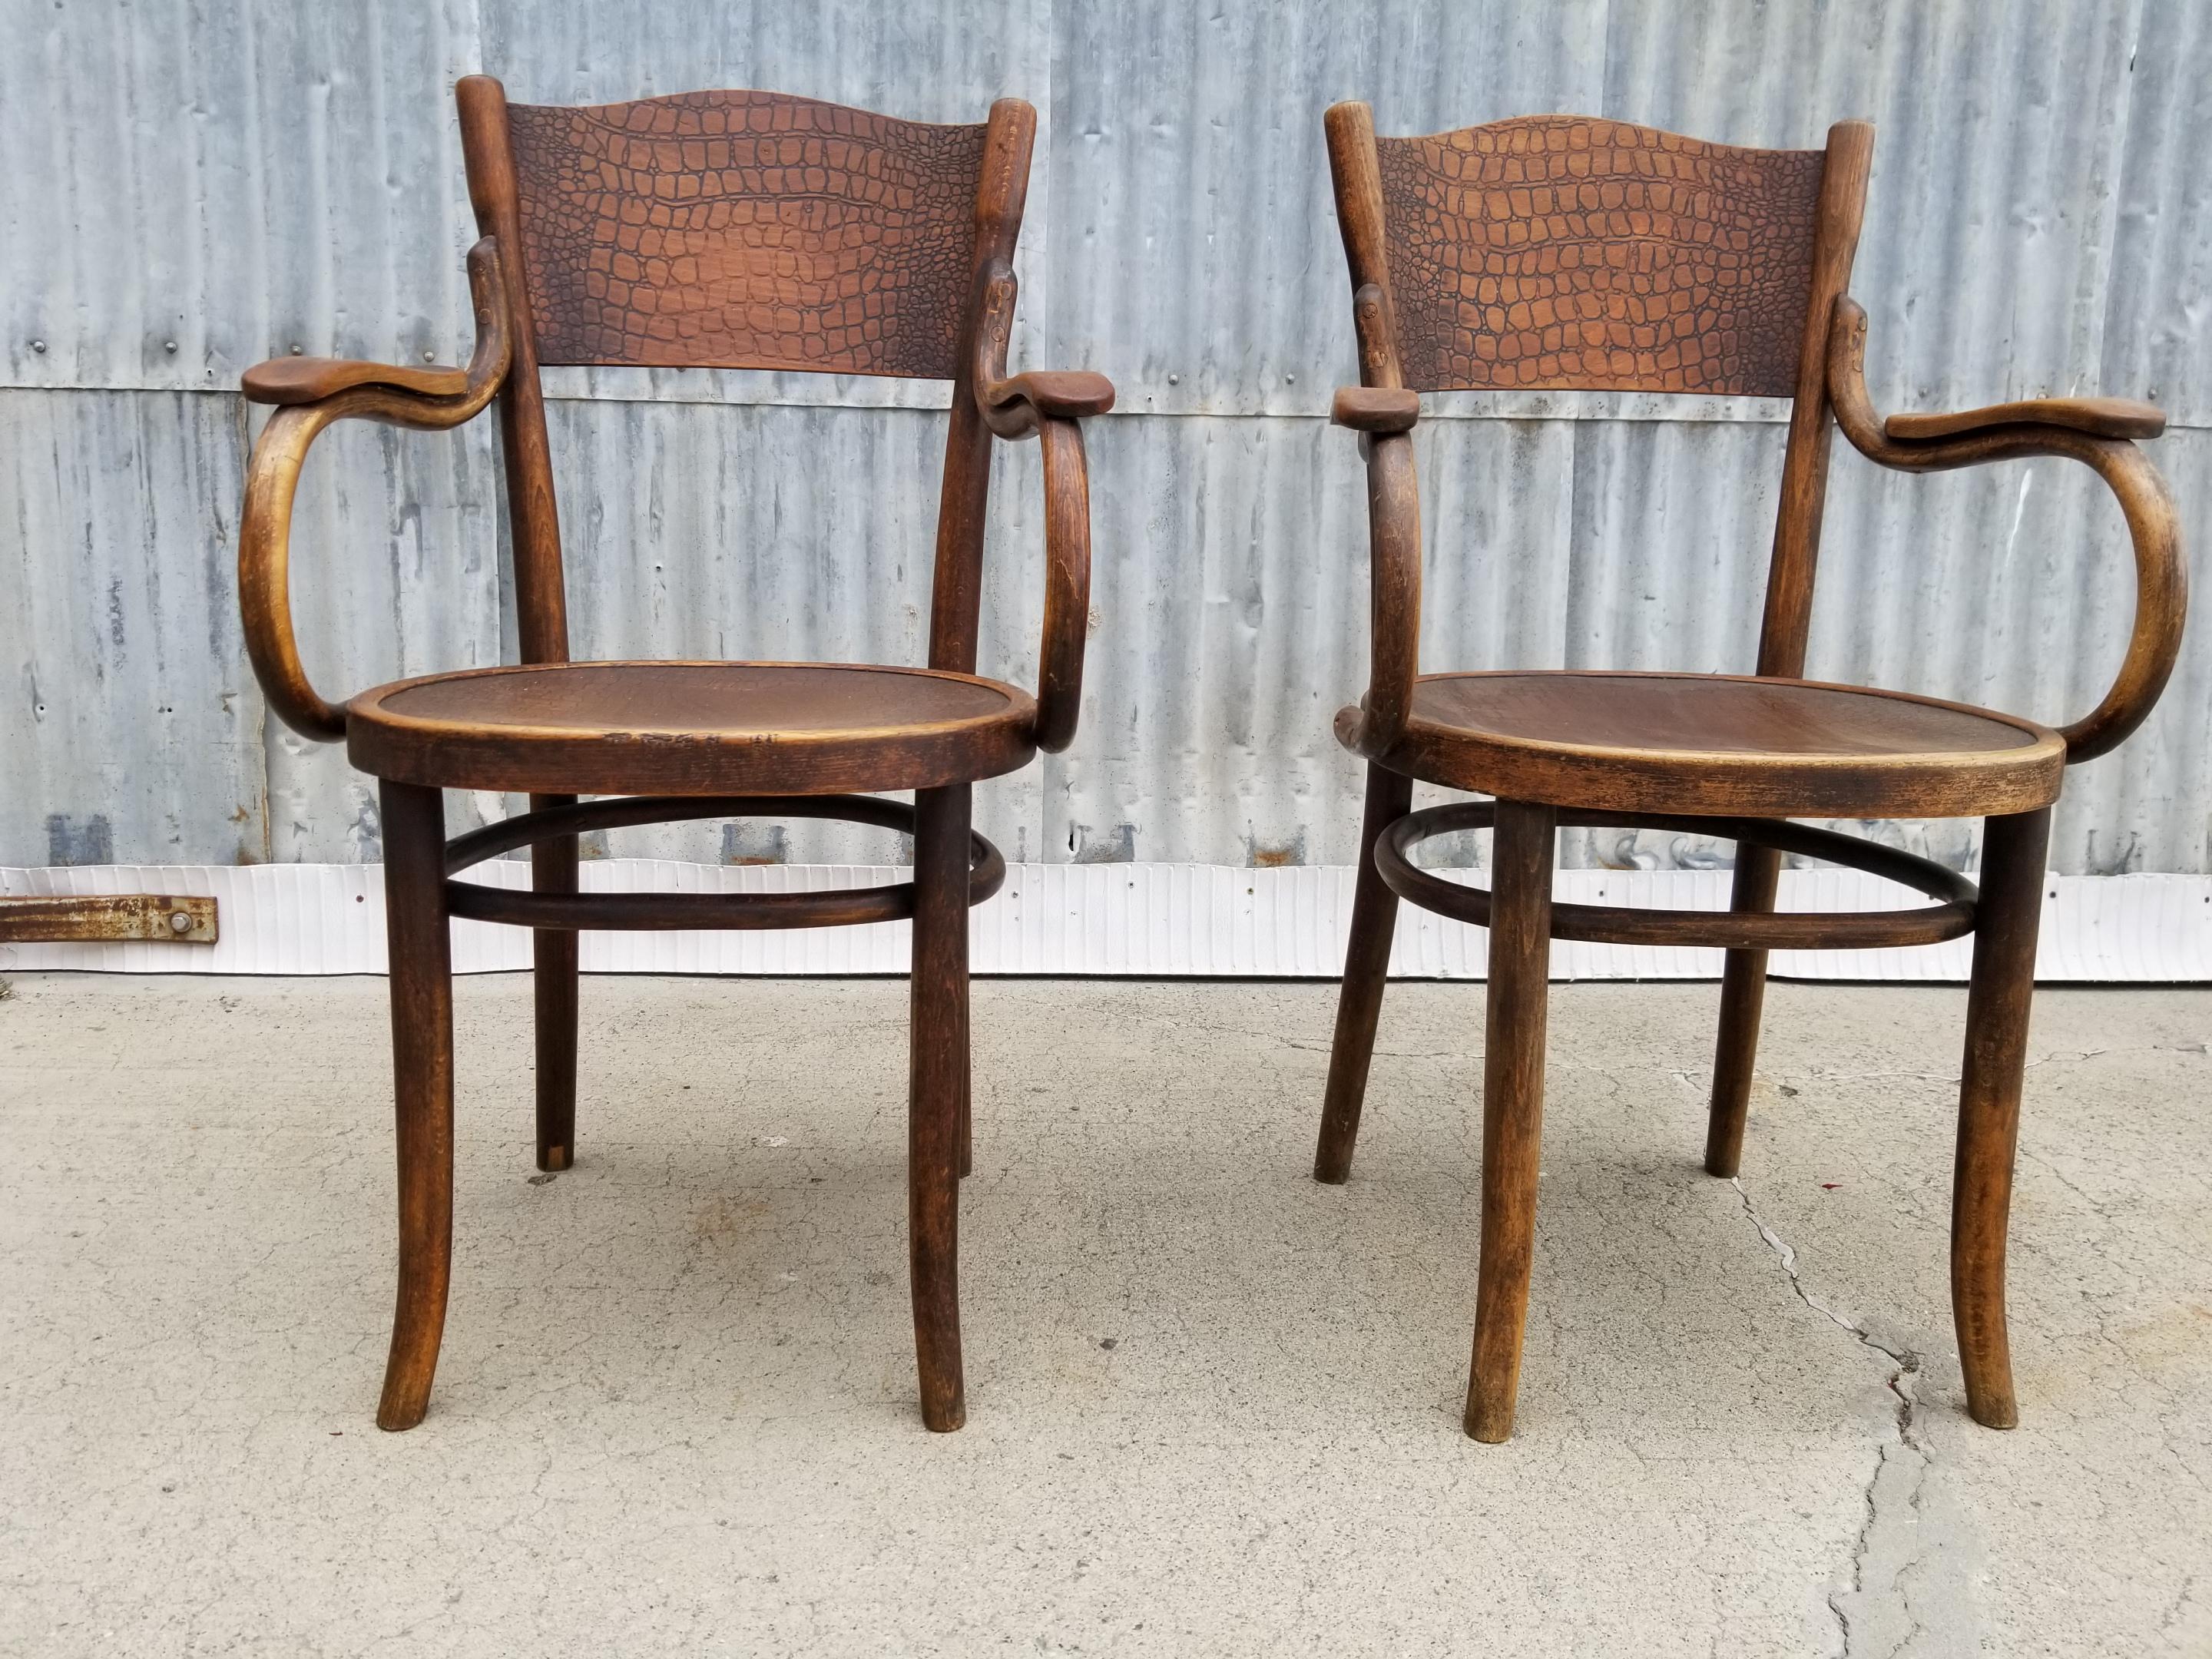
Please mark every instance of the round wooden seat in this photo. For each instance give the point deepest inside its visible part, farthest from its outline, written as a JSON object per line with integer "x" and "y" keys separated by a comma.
{"x": 1711, "y": 743}
{"x": 691, "y": 728}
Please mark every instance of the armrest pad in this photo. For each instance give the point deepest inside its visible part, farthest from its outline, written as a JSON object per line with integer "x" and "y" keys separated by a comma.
{"x": 1056, "y": 394}
{"x": 311, "y": 379}
{"x": 1375, "y": 408}
{"x": 2103, "y": 418}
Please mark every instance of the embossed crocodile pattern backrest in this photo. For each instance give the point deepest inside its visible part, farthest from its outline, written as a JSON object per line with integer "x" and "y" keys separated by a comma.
{"x": 1560, "y": 252}
{"x": 746, "y": 230}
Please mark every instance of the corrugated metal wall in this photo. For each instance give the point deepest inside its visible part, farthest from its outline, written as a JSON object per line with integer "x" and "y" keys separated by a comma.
{"x": 195, "y": 185}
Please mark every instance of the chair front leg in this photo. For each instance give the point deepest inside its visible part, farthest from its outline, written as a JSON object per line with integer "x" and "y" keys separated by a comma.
{"x": 1366, "y": 962}
{"x": 937, "y": 1088}
{"x": 553, "y": 952}
{"x": 1512, "y": 1106}
{"x": 2013, "y": 853}
{"x": 422, "y": 1079}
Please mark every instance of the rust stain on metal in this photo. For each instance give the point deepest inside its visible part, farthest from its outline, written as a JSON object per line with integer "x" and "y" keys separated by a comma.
{"x": 138, "y": 918}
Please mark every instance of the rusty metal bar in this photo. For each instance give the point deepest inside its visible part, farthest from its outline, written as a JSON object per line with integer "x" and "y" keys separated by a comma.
{"x": 105, "y": 918}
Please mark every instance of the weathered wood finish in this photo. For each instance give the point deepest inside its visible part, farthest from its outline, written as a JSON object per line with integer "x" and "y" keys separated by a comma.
{"x": 1366, "y": 966}
{"x": 2153, "y": 523}
{"x": 1512, "y": 1108}
{"x": 2014, "y": 852}
{"x": 423, "y": 1081}
{"x": 731, "y": 228}
{"x": 1556, "y": 280}
{"x": 691, "y": 728}
{"x": 936, "y": 1087}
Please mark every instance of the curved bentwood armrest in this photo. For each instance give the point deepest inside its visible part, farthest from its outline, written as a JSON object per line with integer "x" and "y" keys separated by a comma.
{"x": 1384, "y": 413}
{"x": 2095, "y": 432}
{"x": 312, "y": 392}
{"x": 1046, "y": 405}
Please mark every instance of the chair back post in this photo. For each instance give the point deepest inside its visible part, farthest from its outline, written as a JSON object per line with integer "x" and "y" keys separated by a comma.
{"x": 956, "y": 590}
{"x": 1358, "y": 181}
{"x": 1789, "y": 610}
{"x": 1393, "y": 495}
{"x": 541, "y": 601}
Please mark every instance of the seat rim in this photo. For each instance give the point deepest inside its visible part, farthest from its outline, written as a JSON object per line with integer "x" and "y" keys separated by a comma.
{"x": 1718, "y": 782}
{"x": 443, "y": 752}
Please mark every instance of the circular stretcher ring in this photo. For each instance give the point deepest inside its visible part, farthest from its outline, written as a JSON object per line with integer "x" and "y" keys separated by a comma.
{"x": 1856, "y": 930}
{"x": 840, "y": 907}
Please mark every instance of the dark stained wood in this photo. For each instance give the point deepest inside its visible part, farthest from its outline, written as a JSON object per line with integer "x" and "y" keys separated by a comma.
{"x": 1512, "y": 1109}
{"x": 1350, "y": 130}
{"x": 2146, "y": 503}
{"x": 731, "y": 228}
{"x": 541, "y": 600}
{"x": 938, "y": 1084}
{"x": 272, "y": 477}
{"x": 2014, "y": 851}
{"x": 1842, "y": 208}
{"x": 422, "y": 1080}
{"x": 1787, "y": 622}
{"x": 309, "y": 379}
{"x": 957, "y": 595}
{"x": 1560, "y": 252}
{"x": 1743, "y": 1000}
{"x": 553, "y": 869}
{"x": 2101, "y": 417}
{"x": 1718, "y": 744}
{"x": 1066, "y": 584}
{"x": 1376, "y": 409}
{"x": 1735, "y": 929}
{"x": 1046, "y": 394}
{"x": 618, "y": 728}
{"x": 1366, "y": 966}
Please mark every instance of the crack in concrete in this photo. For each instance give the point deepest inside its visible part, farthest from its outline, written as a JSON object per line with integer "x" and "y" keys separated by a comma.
{"x": 1904, "y": 1461}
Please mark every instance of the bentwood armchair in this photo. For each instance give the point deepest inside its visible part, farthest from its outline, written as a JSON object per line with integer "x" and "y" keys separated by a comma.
{"x": 1571, "y": 253}
{"x": 717, "y": 229}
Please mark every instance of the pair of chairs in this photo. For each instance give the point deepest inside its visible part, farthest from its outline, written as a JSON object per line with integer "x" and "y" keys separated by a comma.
{"x": 743, "y": 229}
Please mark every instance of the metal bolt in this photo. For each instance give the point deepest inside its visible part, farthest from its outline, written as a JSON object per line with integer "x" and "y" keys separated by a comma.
{"x": 429, "y": 356}
{"x": 1174, "y": 380}
{"x": 39, "y": 346}
{"x": 168, "y": 345}
{"x": 181, "y": 922}
{"x": 296, "y": 351}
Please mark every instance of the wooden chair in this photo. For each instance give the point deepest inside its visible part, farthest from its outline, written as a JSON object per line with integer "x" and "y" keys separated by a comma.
{"x": 728, "y": 229}
{"x": 1564, "y": 253}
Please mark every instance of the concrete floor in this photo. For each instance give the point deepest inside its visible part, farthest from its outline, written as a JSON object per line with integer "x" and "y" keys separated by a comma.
{"x": 1213, "y": 1406}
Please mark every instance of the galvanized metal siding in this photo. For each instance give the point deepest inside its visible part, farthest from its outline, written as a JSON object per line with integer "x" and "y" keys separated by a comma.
{"x": 234, "y": 181}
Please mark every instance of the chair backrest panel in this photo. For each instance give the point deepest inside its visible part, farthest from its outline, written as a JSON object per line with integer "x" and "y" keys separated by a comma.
{"x": 1559, "y": 252}
{"x": 746, "y": 230}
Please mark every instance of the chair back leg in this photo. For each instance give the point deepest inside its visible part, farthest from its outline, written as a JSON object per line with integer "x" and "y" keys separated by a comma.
{"x": 553, "y": 953}
{"x": 423, "y": 1077}
{"x": 2013, "y": 853}
{"x": 937, "y": 1088}
{"x": 1512, "y": 1106}
{"x": 1366, "y": 962}
{"x": 1743, "y": 997}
